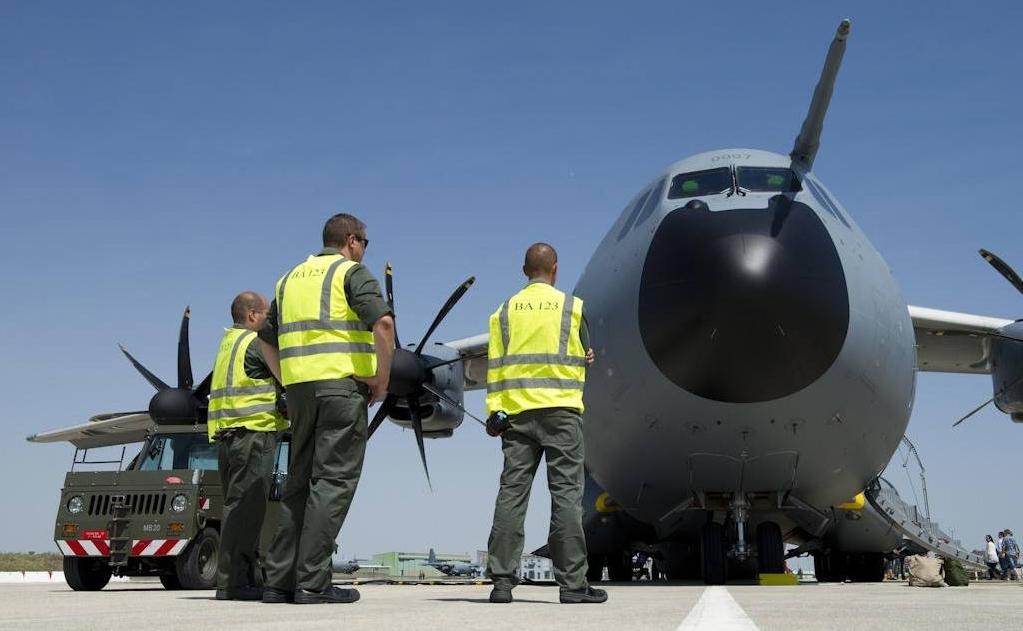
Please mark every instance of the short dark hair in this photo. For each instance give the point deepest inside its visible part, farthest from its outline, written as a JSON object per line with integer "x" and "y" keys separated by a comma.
{"x": 243, "y": 303}
{"x": 338, "y": 227}
{"x": 540, "y": 259}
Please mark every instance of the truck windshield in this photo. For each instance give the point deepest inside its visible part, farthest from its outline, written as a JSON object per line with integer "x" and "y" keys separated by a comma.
{"x": 178, "y": 451}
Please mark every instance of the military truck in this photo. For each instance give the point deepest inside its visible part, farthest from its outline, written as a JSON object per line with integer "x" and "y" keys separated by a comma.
{"x": 158, "y": 514}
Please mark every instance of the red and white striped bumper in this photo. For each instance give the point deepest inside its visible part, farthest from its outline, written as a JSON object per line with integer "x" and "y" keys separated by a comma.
{"x": 139, "y": 547}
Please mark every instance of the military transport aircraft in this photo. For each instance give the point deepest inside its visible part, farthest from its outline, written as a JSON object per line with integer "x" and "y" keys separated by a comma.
{"x": 756, "y": 367}
{"x": 453, "y": 568}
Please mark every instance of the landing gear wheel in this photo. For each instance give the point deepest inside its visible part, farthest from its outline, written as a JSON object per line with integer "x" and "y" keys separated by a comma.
{"x": 829, "y": 567}
{"x": 712, "y": 554}
{"x": 770, "y": 548}
{"x": 197, "y": 566}
{"x": 867, "y": 567}
{"x": 594, "y": 568}
{"x": 86, "y": 574}
{"x": 619, "y": 566}
{"x": 170, "y": 581}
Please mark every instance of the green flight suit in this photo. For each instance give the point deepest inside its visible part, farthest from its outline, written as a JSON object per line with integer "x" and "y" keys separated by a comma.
{"x": 246, "y": 460}
{"x": 557, "y": 435}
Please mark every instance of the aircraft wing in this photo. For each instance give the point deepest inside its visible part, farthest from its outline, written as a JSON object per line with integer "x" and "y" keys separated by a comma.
{"x": 474, "y": 350}
{"x": 948, "y": 341}
{"x": 101, "y": 431}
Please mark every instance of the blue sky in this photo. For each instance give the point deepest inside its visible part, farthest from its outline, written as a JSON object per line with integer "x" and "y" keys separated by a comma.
{"x": 158, "y": 155}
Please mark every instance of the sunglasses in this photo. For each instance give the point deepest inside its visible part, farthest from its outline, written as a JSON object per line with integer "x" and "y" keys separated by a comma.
{"x": 363, "y": 240}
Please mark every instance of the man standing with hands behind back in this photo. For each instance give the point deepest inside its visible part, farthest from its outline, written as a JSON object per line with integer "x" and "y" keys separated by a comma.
{"x": 329, "y": 337}
{"x": 536, "y": 367}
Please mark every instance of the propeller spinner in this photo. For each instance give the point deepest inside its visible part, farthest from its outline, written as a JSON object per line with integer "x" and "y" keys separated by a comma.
{"x": 412, "y": 372}
{"x": 180, "y": 405}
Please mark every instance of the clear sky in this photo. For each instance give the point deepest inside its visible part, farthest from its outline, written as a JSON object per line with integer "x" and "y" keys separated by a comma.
{"x": 154, "y": 155}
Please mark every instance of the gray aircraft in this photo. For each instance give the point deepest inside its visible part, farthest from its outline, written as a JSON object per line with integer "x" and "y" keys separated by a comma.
{"x": 351, "y": 566}
{"x": 756, "y": 367}
{"x": 453, "y": 568}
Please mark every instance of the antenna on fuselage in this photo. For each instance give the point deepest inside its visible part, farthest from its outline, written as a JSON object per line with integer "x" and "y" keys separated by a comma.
{"x": 809, "y": 139}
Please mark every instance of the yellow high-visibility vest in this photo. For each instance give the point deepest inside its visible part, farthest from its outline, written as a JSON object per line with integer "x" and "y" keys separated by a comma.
{"x": 319, "y": 336}
{"x": 237, "y": 400}
{"x": 535, "y": 358}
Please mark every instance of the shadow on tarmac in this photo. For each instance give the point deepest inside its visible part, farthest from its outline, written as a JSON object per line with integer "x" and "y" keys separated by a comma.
{"x": 486, "y": 601}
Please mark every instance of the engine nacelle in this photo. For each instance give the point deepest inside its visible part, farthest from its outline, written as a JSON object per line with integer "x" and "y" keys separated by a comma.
{"x": 440, "y": 418}
{"x": 1007, "y": 371}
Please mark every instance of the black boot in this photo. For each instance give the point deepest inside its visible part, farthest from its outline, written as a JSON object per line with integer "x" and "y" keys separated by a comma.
{"x": 581, "y": 596}
{"x": 330, "y": 595}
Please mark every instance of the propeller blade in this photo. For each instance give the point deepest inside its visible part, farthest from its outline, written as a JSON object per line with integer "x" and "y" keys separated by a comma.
{"x": 452, "y": 301}
{"x": 382, "y": 412}
{"x": 150, "y": 377}
{"x": 389, "y": 289}
{"x": 437, "y": 392}
{"x": 997, "y": 394}
{"x": 974, "y": 411}
{"x": 1003, "y": 269}
{"x": 184, "y": 357}
{"x": 203, "y": 389}
{"x": 417, "y": 426}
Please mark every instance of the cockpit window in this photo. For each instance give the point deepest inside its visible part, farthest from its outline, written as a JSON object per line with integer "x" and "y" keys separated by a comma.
{"x": 698, "y": 183}
{"x": 768, "y": 180}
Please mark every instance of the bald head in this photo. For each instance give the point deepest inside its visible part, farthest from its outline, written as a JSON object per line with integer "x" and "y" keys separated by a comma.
{"x": 541, "y": 262}
{"x": 248, "y": 309}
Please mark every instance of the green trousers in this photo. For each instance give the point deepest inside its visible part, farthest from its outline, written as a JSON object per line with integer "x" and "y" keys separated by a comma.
{"x": 328, "y": 445}
{"x": 557, "y": 435}
{"x": 245, "y": 459}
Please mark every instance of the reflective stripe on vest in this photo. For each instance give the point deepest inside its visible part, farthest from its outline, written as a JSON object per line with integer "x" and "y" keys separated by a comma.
{"x": 237, "y": 400}
{"x": 535, "y": 357}
{"x": 318, "y": 333}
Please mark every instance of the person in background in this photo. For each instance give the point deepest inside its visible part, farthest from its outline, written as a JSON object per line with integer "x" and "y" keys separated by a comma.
{"x": 991, "y": 558}
{"x": 1010, "y": 558}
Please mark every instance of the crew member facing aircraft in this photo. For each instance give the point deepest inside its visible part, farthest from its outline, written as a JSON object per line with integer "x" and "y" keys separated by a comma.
{"x": 330, "y": 336}
{"x": 536, "y": 368}
{"x": 243, "y": 422}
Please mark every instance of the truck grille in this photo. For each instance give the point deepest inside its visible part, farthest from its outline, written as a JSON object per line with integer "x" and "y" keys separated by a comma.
{"x": 138, "y": 503}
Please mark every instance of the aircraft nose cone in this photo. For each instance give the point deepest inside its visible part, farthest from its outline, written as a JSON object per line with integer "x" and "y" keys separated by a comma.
{"x": 746, "y": 305}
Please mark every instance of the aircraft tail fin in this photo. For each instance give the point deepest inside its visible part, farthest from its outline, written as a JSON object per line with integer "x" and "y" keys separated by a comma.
{"x": 433, "y": 557}
{"x": 809, "y": 139}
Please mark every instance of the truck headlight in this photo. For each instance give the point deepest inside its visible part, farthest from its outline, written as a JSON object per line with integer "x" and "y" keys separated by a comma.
{"x": 75, "y": 504}
{"x": 179, "y": 503}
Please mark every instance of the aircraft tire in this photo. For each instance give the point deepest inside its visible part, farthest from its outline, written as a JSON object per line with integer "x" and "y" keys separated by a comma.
{"x": 594, "y": 568}
{"x": 619, "y": 566}
{"x": 196, "y": 567}
{"x": 712, "y": 554}
{"x": 86, "y": 574}
{"x": 770, "y": 548}
{"x": 867, "y": 567}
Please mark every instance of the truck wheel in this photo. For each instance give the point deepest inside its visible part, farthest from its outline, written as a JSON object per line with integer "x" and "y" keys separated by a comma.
{"x": 170, "y": 581}
{"x": 196, "y": 567}
{"x": 86, "y": 574}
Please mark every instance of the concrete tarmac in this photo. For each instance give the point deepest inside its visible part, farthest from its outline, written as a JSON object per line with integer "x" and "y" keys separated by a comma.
{"x": 848, "y": 607}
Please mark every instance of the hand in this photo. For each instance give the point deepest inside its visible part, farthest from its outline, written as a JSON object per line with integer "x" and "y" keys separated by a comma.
{"x": 377, "y": 388}
{"x": 590, "y": 357}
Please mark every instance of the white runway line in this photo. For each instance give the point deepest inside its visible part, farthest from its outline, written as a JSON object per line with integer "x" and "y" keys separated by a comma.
{"x": 717, "y": 610}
